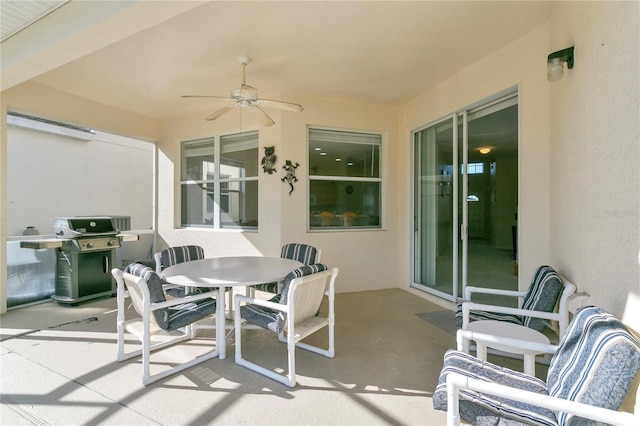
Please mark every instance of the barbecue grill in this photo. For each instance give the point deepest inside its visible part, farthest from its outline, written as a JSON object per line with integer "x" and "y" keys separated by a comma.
{"x": 85, "y": 259}
{"x": 85, "y": 252}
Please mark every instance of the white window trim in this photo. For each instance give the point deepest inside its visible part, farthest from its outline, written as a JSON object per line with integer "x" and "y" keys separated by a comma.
{"x": 217, "y": 180}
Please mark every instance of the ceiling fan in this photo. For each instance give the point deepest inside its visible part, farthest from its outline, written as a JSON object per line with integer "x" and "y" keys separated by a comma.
{"x": 247, "y": 97}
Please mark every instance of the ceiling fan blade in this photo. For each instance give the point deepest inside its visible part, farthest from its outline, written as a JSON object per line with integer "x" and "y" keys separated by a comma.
{"x": 221, "y": 111}
{"x": 261, "y": 115}
{"x": 287, "y": 106}
{"x": 207, "y": 96}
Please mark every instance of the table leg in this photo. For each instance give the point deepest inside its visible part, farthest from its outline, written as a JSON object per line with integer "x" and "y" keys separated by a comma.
{"x": 221, "y": 343}
{"x": 481, "y": 351}
{"x": 530, "y": 364}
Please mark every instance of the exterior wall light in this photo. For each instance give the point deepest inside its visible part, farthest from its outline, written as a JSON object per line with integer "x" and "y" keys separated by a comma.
{"x": 555, "y": 63}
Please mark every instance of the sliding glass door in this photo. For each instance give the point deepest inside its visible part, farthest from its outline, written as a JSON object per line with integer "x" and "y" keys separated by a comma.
{"x": 465, "y": 183}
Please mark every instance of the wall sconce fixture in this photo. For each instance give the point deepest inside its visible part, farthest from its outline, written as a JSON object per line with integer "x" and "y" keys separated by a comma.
{"x": 555, "y": 63}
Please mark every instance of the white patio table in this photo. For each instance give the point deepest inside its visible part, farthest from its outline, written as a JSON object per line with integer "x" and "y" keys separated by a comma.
{"x": 502, "y": 329}
{"x": 224, "y": 272}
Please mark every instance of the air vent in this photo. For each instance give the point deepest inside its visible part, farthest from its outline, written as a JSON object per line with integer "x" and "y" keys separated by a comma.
{"x": 18, "y": 15}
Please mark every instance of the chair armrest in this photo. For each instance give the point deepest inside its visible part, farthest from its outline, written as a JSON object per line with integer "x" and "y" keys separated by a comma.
{"x": 456, "y": 382}
{"x": 260, "y": 302}
{"x": 468, "y": 306}
{"x": 488, "y": 339}
{"x": 470, "y": 289}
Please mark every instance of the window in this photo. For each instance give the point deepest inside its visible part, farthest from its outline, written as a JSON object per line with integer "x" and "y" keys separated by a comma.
{"x": 473, "y": 168}
{"x": 220, "y": 193}
{"x": 345, "y": 182}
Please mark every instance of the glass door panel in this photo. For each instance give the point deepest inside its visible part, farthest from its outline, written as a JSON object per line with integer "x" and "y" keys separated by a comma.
{"x": 492, "y": 199}
{"x": 435, "y": 246}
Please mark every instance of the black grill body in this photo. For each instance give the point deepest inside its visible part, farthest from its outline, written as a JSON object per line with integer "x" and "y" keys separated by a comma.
{"x": 85, "y": 259}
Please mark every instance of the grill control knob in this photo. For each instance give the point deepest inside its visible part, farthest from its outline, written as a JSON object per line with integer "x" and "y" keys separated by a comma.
{"x": 89, "y": 245}
{"x": 110, "y": 243}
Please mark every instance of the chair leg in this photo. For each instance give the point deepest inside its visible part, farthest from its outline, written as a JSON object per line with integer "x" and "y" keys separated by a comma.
{"x": 238, "y": 331}
{"x": 291, "y": 359}
{"x": 289, "y": 380}
{"x": 146, "y": 351}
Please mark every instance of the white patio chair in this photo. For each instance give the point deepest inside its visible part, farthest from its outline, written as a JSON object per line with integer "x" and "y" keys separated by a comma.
{"x": 292, "y": 315}
{"x": 157, "y": 317}
{"x": 545, "y": 301}
{"x": 303, "y": 253}
{"x": 592, "y": 370}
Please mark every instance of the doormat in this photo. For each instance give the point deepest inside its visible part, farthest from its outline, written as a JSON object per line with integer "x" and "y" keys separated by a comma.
{"x": 444, "y": 320}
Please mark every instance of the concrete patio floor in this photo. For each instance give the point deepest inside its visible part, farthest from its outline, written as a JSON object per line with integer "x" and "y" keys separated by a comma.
{"x": 58, "y": 366}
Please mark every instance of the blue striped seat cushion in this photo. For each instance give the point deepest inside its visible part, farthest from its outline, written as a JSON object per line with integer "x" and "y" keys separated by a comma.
{"x": 179, "y": 254}
{"x": 303, "y": 253}
{"x": 268, "y": 287}
{"x": 272, "y": 319}
{"x": 481, "y": 409}
{"x": 174, "y": 255}
{"x": 544, "y": 291}
{"x": 173, "y": 317}
{"x": 596, "y": 362}
{"x": 475, "y": 315}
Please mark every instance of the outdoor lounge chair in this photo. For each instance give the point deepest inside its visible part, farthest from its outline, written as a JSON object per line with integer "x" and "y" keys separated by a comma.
{"x": 546, "y": 291}
{"x": 158, "y": 317}
{"x": 590, "y": 374}
{"x": 293, "y": 315}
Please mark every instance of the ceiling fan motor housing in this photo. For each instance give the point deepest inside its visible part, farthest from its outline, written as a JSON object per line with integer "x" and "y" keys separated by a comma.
{"x": 245, "y": 92}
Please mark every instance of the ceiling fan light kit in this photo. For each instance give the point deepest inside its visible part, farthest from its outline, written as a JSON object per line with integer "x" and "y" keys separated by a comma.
{"x": 247, "y": 97}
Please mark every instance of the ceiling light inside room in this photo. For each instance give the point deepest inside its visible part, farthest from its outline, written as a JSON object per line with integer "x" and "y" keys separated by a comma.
{"x": 485, "y": 150}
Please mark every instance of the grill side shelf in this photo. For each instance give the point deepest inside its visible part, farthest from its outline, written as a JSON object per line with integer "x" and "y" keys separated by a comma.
{"x": 43, "y": 244}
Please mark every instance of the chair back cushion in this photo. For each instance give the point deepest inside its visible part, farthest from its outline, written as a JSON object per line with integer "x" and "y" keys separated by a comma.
{"x": 542, "y": 295}
{"x": 303, "y": 253}
{"x": 156, "y": 293}
{"x": 174, "y": 255}
{"x": 595, "y": 363}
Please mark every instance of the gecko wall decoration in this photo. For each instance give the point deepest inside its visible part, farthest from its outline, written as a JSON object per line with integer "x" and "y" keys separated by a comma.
{"x": 290, "y": 177}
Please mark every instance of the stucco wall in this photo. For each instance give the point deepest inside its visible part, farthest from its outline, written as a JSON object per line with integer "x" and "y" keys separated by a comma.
{"x": 595, "y": 140}
{"x": 522, "y": 64}
{"x": 283, "y": 217}
{"x": 51, "y": 175}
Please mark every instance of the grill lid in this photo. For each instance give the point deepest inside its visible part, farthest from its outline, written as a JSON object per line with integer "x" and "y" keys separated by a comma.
{"x": 78, "y": 227}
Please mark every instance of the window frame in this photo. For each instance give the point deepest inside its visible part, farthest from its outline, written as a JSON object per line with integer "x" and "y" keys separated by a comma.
{"x": 343, "y": 178}
{"x": 219, "y": 180}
